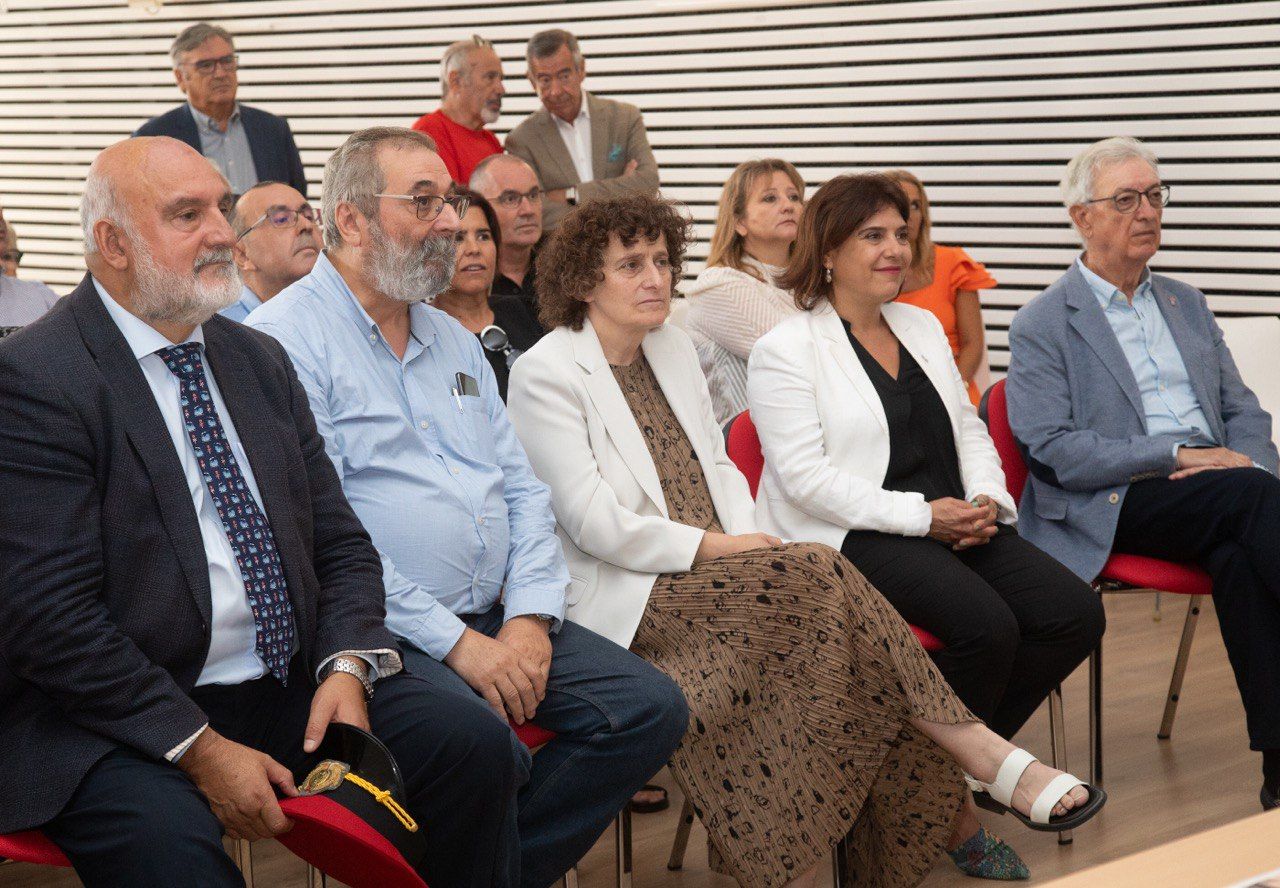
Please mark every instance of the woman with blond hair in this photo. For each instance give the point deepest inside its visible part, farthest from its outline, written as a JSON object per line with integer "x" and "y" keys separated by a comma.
{"x": 945, "y": 281}
{"x": 735, "y": 301}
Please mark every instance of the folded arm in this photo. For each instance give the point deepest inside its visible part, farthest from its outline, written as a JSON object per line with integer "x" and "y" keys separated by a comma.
{"x": 780, "y": 389}
{"x": 551, "y": 417}
{"x": 1040, "y": 412}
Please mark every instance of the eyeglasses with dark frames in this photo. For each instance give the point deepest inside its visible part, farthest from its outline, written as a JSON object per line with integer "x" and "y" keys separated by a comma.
{"x": 429, "y": 206}
{"x": 1127, "y": 200}
{"x": 206, "y": 67}
{"x": 511, "y": 197}
{"x": 284, "y": 217}
{"x": 14, "y": 256}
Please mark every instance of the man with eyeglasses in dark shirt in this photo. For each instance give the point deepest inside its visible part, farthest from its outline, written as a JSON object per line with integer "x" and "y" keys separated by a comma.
{"x": 277, "y": 242}
{"x": 511, "y": 187}
{"x": 247, "y": 145}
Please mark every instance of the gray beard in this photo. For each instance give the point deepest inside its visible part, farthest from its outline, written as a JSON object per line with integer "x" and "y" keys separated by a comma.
{"x": 411, "y": 274}
{"x": 164, "y": 296}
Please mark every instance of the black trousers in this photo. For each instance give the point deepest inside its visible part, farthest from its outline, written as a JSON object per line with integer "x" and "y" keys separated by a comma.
{"x": 137, "y": 823}
{"x": 1015, "y": 622}
{"x": 1228, "y": 521}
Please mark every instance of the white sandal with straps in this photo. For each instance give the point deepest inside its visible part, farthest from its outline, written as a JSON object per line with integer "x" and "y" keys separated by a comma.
{"x": 998, "y": 796}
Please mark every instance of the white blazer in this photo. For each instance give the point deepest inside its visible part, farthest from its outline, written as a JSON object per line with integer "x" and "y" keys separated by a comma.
{"x": 825, "y": 437}
{"x": 583, "y": 441}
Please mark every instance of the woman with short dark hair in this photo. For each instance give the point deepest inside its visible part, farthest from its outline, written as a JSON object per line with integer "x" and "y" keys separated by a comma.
{"x": 504, "y": 325}
{"x": 872, "y": 446}
{"x": 815, "y": 714}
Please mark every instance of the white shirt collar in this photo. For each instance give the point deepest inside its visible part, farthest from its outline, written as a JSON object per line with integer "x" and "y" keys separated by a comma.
{"x": 143, "y": 339}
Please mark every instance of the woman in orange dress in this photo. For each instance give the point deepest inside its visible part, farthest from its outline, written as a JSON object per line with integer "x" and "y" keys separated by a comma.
{"x": 946, "y": 282}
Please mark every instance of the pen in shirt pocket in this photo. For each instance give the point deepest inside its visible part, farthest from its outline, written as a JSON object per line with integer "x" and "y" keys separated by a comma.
{"x": 457, "y": 398}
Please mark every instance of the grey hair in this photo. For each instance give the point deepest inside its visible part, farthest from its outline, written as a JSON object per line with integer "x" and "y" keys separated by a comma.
{"x": 482, "y": 178}
{"x": 195, "y": 36}
{"x": 100, "y": 201}
{"x": 548, "y": 43}
{"x": 353, "y": 175}
{"x": 457, "y": 57}
{"x": 1077, "y": 183}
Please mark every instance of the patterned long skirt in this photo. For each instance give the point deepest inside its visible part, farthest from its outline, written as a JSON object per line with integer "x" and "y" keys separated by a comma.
{"x": 801, "y": 679}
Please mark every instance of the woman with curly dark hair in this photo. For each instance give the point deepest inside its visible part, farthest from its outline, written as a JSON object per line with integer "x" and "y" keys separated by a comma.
{"x": 815, "y": 713}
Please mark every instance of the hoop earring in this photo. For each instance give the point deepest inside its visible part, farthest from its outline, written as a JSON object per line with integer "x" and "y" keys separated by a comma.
{"x": 828, "y": 274}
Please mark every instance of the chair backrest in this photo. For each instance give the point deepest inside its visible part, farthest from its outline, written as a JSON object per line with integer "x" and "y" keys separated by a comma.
{"x": 743, "y": 446}
{"x": 995, "y": 411}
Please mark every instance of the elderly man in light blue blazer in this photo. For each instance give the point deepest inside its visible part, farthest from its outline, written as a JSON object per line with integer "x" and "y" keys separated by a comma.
{"x": 1140, "y": 435}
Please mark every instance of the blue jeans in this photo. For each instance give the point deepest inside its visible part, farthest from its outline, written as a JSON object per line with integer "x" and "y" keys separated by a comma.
{"x": 616, "y": 719}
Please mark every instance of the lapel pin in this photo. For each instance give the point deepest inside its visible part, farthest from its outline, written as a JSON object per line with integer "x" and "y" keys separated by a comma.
{"x": 1173, "y": 300}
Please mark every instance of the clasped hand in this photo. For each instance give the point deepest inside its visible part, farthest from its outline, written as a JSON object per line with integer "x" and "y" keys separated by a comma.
{"x": 509, "y": 671}
{"x": 1193, "y": 460}
{"x": 963, "y": 525}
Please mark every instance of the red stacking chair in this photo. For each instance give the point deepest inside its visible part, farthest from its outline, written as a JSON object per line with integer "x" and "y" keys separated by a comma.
{"x": 1121, "y": 573}
{"x": 533, "y": 737}
{"x": 31, "y": 846}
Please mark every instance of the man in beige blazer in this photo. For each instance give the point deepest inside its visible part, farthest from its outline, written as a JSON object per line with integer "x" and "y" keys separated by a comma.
{"x": 581, "y": 146}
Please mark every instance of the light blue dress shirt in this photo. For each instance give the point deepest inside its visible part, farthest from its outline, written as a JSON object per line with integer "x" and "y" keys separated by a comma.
{"x": 239, "y": 310}
{"x": 233, "y": 657}
{"x": 1169, "y": 403}
{"x": 23, "y": 302}
{"x": 437, "y": 476}
{"x": 228, "y": 150}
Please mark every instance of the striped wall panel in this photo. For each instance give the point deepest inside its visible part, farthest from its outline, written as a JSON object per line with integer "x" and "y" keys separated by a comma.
{"x": 984, "y": 99}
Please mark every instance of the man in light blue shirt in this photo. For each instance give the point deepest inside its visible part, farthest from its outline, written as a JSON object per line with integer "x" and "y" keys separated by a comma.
{"x": 1141, "y": 436}
{"x": 474, "y": 574}
{"x": 277, "y": 242}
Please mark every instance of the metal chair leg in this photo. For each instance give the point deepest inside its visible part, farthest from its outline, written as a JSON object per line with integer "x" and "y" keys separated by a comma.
{"x": 242, "y": 855}
{"x": 571, "y": 878}
{"x": 1058, "y": 744}
{"x": 840, "y": 865}
{"x": 1095, "y": 716}
{"x": 676, "y": 860}
{"x": 317, "y": 879}
{"x": 622, "y": 848}
{"x": 1180, "y": 667}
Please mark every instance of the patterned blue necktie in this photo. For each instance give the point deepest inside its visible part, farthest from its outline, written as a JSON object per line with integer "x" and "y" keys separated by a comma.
{"x": 246, "y": 526}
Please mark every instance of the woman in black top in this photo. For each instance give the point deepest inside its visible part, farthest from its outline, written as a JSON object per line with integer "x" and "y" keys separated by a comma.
{"x": 859, "y": 383}
{"x": 505, "y": 325}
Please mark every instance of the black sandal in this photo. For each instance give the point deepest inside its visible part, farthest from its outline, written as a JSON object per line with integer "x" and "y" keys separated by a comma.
{"x": 661, "y": 804}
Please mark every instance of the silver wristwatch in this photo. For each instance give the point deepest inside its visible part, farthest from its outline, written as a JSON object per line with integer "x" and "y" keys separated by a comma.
{"x": 358, "y": 668}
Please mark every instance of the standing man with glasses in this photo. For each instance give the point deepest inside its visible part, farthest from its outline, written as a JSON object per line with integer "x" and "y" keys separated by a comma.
{"x": 471, "y": 94}
{"x": 511, "y": 187}
{"x": 246, "y": 144}
{"x": 1140, "y": 435}
{"x": 581, "y": 146}
{"x": 474, "y": 573}
{"x": 277, "y": 242}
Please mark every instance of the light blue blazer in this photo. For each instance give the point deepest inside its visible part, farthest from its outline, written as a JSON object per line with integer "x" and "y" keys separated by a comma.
{"x": 1076, "y": 411}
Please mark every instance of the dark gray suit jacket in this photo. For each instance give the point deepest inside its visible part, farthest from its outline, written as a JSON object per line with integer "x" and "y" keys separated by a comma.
{"x": 105, "y": 605}
{"x": 1075, "y": 408}
{"x": 275, "y": 154}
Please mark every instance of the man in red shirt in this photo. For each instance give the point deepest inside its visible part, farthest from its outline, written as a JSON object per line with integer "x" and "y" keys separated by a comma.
{"x": 470, "y": 97}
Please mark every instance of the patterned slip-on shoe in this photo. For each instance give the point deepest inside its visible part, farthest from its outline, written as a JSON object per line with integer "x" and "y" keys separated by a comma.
{"x": 985, "y": 856}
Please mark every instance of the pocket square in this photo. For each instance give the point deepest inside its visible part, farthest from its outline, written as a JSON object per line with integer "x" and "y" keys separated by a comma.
{"x": 615, "y": 152}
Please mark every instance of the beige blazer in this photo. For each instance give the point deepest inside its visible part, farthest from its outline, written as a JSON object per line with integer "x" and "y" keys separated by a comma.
{"x": 617, "y": 136}
{"x": 825, "y": 437}
{"x": 583, "y": 441}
